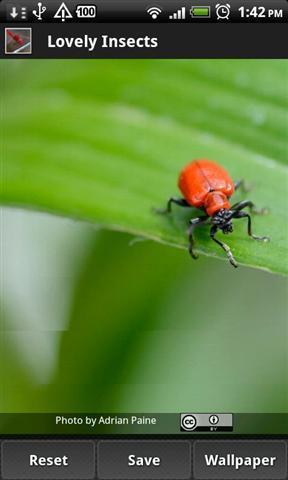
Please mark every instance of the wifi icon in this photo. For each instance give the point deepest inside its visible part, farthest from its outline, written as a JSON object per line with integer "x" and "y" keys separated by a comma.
{"x": 154, "y": 12}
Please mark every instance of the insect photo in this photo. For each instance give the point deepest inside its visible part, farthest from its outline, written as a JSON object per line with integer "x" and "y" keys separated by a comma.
{"x": 206, "y": 185}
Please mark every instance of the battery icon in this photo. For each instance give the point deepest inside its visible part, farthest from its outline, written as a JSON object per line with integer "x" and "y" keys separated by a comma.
{"x": 200, "y": 12}
{"x": 86, "y": 11}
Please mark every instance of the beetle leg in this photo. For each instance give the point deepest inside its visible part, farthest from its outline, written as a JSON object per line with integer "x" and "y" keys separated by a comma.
{"x": 249, "y": 226}
{"x": 247, "y": 203}
{"x": 178, "y": 201}
{"x": 243, "y": 185}
{"x": 195, "y": 222}
{"x": 225, "y": 247}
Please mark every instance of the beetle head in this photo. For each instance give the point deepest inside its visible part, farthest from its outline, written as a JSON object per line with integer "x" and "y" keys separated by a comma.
{"x": 223, "y": 220}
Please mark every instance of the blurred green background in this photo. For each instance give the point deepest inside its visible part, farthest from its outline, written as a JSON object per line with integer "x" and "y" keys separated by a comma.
{"x": 93, "y": 320}
{"x": 95, "y": 323}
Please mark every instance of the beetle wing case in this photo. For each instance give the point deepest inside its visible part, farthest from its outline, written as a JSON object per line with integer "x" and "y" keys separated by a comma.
{"x": 200, "y": 177}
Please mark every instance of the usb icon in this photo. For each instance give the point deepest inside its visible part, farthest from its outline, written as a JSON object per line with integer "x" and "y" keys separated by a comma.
{"x": 41, "y": 9}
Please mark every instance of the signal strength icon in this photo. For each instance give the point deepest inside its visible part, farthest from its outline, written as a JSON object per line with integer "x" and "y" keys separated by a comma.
{"x": 154, "y": 12}
{"x": 179, "y": 15}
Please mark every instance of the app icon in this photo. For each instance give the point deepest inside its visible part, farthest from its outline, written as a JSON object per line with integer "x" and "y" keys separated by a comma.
{"x": 18, "y": 41}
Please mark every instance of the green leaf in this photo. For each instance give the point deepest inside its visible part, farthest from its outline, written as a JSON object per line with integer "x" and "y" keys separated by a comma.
{"x": 149, "y": 332}
{"x": 104, "y": 142}
{"x": 115, "y": 316}
{"x": 16, "y": 382}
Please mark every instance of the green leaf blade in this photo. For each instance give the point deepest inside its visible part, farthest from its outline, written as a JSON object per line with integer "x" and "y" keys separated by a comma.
{"x": 109, "y": 156}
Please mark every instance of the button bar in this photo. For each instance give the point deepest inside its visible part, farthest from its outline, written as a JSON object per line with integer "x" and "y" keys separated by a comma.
{"x": 137, "y": 459}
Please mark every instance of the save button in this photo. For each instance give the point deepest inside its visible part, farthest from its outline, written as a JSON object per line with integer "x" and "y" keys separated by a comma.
{"x": 143, "y": 459}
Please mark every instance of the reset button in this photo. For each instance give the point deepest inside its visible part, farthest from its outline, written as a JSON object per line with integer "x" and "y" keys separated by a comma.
{"x": 50, "y": 460}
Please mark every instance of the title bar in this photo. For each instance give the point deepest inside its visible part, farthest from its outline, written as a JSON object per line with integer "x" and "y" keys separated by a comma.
{"x": 143, "y": 41}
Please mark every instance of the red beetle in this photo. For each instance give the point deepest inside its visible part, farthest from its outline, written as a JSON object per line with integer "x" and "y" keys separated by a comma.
{"x": 207, "y": 186}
